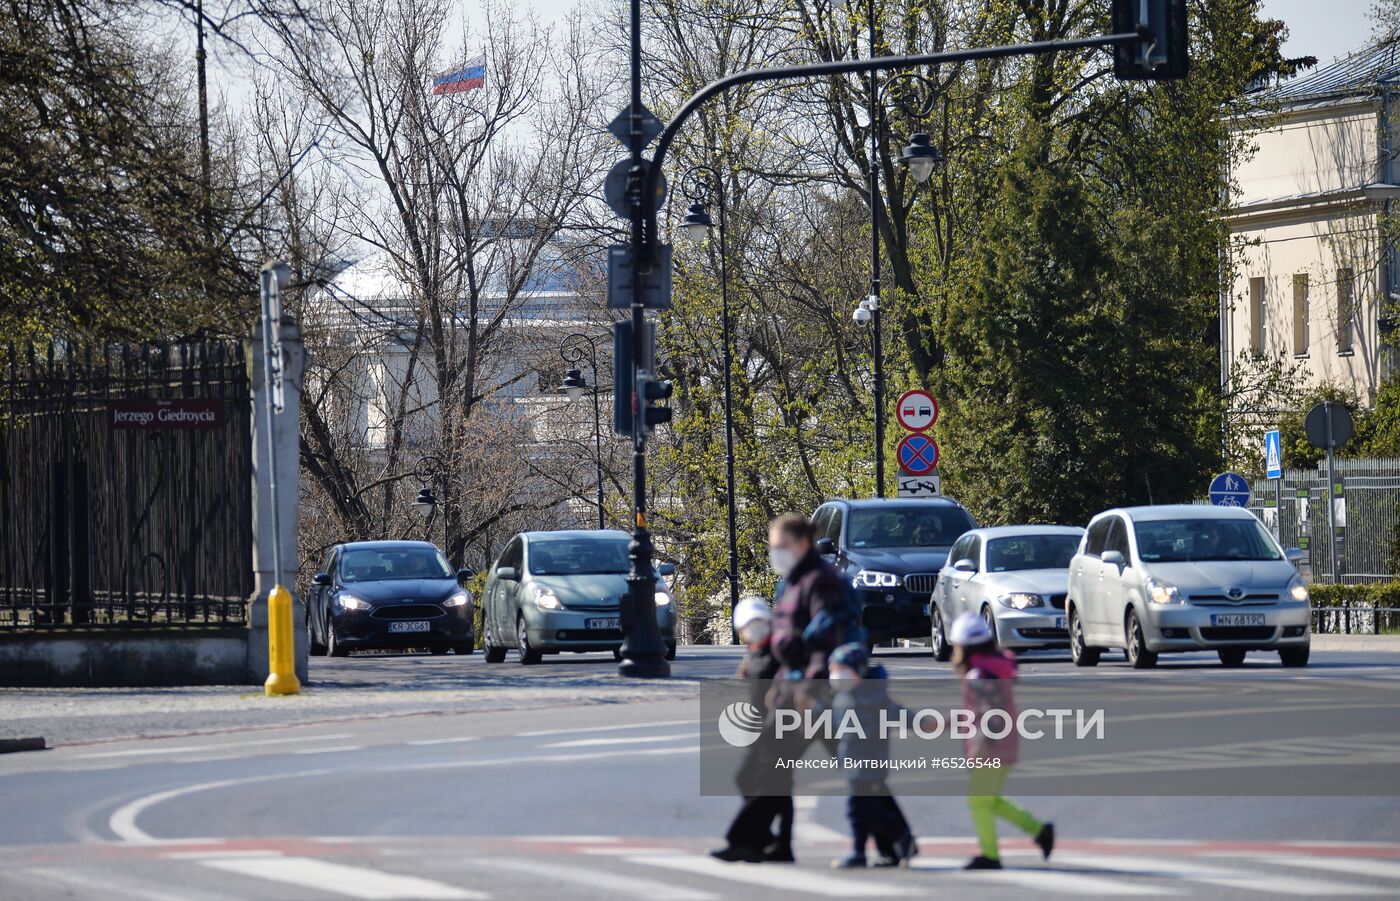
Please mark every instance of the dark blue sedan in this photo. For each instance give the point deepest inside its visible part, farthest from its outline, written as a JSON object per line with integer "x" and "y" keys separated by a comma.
{"x": 388, "y": 594}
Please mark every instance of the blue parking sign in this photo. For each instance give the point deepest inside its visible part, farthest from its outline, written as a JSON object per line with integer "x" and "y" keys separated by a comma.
{"x": 1273, "y": 455}
{"x": 1229, "y": 489}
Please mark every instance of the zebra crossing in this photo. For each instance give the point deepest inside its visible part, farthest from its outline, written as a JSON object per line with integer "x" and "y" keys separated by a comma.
{"x": 611, "y": 867}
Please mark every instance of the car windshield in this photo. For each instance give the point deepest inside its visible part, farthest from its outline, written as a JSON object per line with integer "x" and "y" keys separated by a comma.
{"x": 570, "y": 556}
{"x": 910, "y": 526}
{"x": 1180, "y": 540}
{"x": 1030, "y": 552}
{"x": 383, "y": 564}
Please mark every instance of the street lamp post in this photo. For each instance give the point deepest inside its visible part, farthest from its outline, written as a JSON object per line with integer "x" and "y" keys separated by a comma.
{"x": 699, "y": 185}
{"x": 575, "y": 349}
{"x": 430, "y": 465}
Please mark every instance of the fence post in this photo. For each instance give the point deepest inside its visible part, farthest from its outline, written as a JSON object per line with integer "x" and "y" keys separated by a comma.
{"x": 288, "y": 430}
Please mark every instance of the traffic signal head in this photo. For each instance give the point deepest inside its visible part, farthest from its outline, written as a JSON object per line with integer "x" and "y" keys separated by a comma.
{"x": 650, "y": 391}
{"x": 1162, "y": 54}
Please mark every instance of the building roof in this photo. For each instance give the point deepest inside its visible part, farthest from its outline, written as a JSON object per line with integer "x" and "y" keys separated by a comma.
{"x": 1356, "y": 75}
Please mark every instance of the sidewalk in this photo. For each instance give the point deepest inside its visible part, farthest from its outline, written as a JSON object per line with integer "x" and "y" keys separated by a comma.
{"x": 1355, "y": 642}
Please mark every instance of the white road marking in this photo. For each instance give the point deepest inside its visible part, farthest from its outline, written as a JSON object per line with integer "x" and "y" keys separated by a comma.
{"x": 123, "y": 819}
{"x": 442, "y": 741}
{"x": 1043, "y": 879}
{"x": 574, "y": 839}
{"x": 353, "y": 882}
{"x": 636, "y": 740}
{"x": 609, "y": 882}
{"x": 334, "y": 750}
{"x": 805, "y": 822}
{"x": 579, "y": 731}
{"x": 108, "y": 885}
{"x": 1382, "y": 869}
{"x": 1194, "y": 871}
{"x": 787, "y": 879}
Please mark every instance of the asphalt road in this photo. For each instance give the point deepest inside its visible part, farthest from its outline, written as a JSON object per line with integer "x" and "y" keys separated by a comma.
{"x": 588, "y": 788}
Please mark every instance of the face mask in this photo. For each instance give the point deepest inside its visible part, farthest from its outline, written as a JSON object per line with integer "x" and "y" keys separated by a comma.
{"x": 781, "y": 560}
{"x": 755, "y": 632}
{"x": 843, "y": 680}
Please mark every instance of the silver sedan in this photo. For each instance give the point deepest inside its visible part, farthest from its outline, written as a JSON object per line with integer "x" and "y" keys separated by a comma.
{"x": 1015, "y": 578}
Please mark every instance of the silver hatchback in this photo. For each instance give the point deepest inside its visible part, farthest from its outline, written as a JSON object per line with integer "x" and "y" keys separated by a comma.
{"x": 1154, "y": 580}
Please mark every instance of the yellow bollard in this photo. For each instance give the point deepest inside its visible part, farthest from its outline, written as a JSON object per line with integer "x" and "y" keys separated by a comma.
{"x": 282, "y": 680}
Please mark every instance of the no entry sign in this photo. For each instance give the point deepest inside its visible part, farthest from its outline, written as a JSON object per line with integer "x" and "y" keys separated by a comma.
{"x": 918, "y": 454}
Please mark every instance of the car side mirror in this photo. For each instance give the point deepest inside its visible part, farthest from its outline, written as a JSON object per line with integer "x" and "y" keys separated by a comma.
{"x": 321, "y": 579}
{"x": 826, "y": 547}
{"x": 1295, "y": 555}
{"x": 666, "y": 569}
{"x": 965, "y": 566}
{"x": 465, "y": 573}
{"x": 508, "y": 574}
{"x": 1114, "y": 558}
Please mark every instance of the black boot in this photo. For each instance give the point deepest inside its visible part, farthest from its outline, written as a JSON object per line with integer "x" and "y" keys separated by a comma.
{"x": 778, "y": 852}
{"x": 982, "y": 863}
{"x": 737, "y": 853}
{"x": 1045, "y": 838}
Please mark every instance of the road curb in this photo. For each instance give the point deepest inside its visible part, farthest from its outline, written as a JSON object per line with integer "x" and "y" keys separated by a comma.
{"x": 1355, "y": 642}
{"x": 11, "y": 745}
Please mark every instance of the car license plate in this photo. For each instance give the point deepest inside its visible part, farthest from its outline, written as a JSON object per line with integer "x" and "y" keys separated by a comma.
{"x": 605, "y": 623}
{"x": 1059, "y": 622}
{"x": 1237, "y": 619}
{"x": 410, "y": 625}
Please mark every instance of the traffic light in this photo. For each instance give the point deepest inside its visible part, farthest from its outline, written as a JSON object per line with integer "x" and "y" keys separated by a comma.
{"x": 1162, "y": 55}
{"x": 623, "y": 385}
{"x": 652, "y": 390}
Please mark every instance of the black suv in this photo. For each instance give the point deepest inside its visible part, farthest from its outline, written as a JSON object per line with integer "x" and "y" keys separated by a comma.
{"x": 891, "y": 551}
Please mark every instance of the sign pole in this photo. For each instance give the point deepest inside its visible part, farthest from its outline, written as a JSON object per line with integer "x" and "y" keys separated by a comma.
{"x": 1331, "y": 497}
{"x": 282, "y": 678}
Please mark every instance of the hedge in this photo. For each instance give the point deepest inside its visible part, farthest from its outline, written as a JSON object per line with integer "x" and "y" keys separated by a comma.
{"x": 1366, "y": 594}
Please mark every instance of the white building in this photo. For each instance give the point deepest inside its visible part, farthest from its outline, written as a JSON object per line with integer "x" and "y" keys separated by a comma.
{"x": 1312, "y": 272}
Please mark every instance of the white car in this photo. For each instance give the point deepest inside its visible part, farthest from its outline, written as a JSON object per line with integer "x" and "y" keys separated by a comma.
{"x": 1014, "y": 577}
{"x": 1153, "y": 580}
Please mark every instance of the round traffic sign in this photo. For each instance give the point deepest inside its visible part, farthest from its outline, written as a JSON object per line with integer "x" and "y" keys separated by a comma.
{"x": 1229, "y": 489}
{"x": 918, "y": 454}
{"x": 917, "y": 410}
{"x": 1329, "y": 424}
{"x": 615, "y": 187}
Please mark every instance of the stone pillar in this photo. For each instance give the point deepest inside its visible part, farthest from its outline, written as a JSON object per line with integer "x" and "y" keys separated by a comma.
{"x": 288, "y": 424}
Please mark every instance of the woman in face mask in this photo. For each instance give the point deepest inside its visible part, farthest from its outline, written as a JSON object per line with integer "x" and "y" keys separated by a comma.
{"x": 812, "y": 591}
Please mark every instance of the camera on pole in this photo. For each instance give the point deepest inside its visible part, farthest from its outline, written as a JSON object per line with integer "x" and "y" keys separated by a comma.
{"x": 652, "y": 394}
{"x": 1162, "y": 53}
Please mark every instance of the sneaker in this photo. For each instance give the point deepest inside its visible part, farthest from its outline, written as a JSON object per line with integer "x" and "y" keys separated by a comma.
{"x": 1045, "y": 838}
{"x": 851, "y": 861}
{"x": 736, "y": 854}
{"x": 905, "y": 848}
{"x": 776, "y": 853}
{"x": 982, "y": 863}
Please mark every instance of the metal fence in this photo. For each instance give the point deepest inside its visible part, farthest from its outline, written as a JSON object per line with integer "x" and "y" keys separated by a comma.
{"x": 1368, "y": 521}
{"x": 125, "y": 478}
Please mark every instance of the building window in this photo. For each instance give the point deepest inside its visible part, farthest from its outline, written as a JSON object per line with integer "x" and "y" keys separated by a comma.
{"x": 1258, "y": 317}
{"x": 1346, "y": 310}
{"x": 1301, "y": 332}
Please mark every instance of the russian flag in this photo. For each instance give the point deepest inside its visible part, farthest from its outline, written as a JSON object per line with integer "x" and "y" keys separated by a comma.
{"x": 470, "y": 76}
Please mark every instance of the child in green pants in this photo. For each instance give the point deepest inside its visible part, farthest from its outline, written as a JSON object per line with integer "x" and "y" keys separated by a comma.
{"x": 987, "y": 677}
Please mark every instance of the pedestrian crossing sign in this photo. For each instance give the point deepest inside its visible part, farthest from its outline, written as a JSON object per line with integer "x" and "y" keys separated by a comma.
{"x": 1273, "y": 455}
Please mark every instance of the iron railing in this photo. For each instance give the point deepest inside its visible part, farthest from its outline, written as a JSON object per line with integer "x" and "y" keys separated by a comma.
{"x": 125, "y": 486}
{"x": 1356, "y": 619}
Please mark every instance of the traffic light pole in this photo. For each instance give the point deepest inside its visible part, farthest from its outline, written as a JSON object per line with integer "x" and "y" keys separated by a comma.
{"x": 643, "y": 652}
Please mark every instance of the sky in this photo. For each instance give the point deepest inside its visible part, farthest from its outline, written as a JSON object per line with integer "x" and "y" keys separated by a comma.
{"x": 1325, "y": 29}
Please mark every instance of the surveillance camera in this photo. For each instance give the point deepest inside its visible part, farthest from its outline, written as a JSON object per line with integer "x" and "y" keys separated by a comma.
{"x": 861, "y": 315}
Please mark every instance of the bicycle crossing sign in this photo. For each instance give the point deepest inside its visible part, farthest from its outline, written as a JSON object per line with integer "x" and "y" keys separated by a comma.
{"x": 918, "y": 454}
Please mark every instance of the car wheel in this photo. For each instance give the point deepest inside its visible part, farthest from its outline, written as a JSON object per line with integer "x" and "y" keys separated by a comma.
{"x": 313, "y": 647}
{"x": 670, "y": 650}
{"x": 1079, "y": 652}
{"x": 938, "y": 638}
{"x": 1139, "y": 657}
{"x": 491, "y": 652}
{"x": 528, "y": 655}
{"x": 990, "y": 621}
{"x": 438, "y": 650}
{"x": 464, "y": 648}
{"x": 1297, "y": 656}
{"x": 617, "y": 654}
{"x": 1231, "y": 656}
{"x": 334, "y": 647}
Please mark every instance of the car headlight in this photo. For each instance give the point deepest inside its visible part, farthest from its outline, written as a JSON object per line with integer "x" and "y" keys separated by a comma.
{"x": 1164, "y": 593}
{"x": 663, "y": 598}
{"x": 353, "y": 603}
{"x": 1020, "y": 600}
{"x": 545, "y": 599}
{"x": 873, "y": 578}
{"x": 460, "y": 599}
{"x": 1298, "y": 589}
